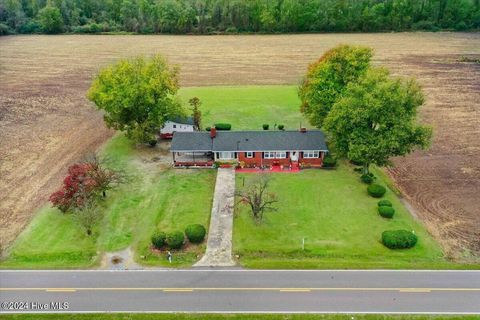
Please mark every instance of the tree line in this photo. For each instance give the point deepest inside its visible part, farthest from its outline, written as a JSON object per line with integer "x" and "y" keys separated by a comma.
{"x": 235, "y": 16}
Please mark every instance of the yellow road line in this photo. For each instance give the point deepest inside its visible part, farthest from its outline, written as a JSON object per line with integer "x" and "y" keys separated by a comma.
{"x": 419, "y": 290}
{"x": 60, "y": 290}
{"x": 295, "y": 290}
{"x": 178, "y": 290}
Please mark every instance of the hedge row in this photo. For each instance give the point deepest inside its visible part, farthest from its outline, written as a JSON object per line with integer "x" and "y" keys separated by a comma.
{"x": 175, "y": 240}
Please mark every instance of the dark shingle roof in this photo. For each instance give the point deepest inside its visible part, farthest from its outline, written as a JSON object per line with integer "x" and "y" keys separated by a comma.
{"x": 182, "y": 120}
{"x": 191, "y": 141}
{"x": 249, "y": 141}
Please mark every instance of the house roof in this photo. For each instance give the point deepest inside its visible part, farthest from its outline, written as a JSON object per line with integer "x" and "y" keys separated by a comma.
{"x": 249, "y": 141}
{"x": 191, "y": 141}
{"x": 182, "y": 120}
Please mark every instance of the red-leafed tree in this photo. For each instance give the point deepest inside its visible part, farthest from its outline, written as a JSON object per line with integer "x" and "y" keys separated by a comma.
{"x": 84, "y": 181}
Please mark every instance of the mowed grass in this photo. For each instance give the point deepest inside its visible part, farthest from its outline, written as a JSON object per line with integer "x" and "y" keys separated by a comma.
{"x": 184, "y": 316}
{"x": 152, "y": 197}
{"x": 331, "y": 211}
{"x": 248, "y": 107}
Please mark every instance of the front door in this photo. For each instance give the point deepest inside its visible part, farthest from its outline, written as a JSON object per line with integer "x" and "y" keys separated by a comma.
{"x": 294, "y": 156}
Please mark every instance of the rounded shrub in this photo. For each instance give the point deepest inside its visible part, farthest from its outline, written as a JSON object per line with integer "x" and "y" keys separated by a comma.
{"x": 175, "y": 240}
{"x": 329, "y": 161}
{"x": 376, "y": 190}
{"x": 385, "y": 202}
{"x": 208, "y": 128}
{"x": 399, "y": 239}
{"x": 152, "y": 143}
{"x": 386, "y": 211}
{"x": 158, "y": 239}
{"x": 195, "y": 233}
{"x": 265, "y": 126}
{"x": 223, "y": 126}
{"x": 281, "y": 127}
{"x": 367, "y": 178}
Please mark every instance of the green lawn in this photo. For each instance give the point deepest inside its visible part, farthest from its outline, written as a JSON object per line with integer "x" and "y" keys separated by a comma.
{"x": 167, "y": 198}
{"x": 183, "y": 316}
{"x": 332, "y": 211}
{"x": 248, "y": 107}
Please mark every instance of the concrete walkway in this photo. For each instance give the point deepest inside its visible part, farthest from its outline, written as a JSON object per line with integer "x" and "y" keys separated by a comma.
{"x": 219, "y": 243}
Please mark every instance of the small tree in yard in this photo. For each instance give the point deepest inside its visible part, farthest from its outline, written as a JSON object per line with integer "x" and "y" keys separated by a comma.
{"x": 196, "y": 113}
{"x": 85, "y": 180}
{"x": 375, "y": 119}
{"x": 88, "y": 215}
{"x": 104, "y": 178}
{"x": 258, "y": 198}
{"x": 138, "y": 95}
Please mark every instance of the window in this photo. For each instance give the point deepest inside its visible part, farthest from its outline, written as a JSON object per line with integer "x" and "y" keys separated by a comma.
{"x": 226, "y": 155}
{"x": 310, "y": 154}
{"x": 174, "y": 126}
{"x": 269, "y": 155}
{"x": 249, "y": 154}
{"x": 274, "y": 155}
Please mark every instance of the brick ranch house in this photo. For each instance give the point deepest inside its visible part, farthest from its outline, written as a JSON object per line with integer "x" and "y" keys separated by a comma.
{"x": 251, "y": 149}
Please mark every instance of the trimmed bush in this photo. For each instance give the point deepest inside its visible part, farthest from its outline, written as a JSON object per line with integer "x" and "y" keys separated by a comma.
{"x": 386, "y": 211}
{"x": 399, "y": 239}
{"x": 208, "y": 128}
{"x": 281, "y": 127}
{"x": 367, "y": 178}
{"x": 175, "y": 240}
{"x": 158, "y": 239}
{"x": 223, "y": 126}
{"x": 152, "y": 143}
{"x": 376, "y": 190}
{"x": 195, "y": 233}
{"x": 329, "y": 161}
{"x": 385, "y": 202}
{"x": 265, "y": 126}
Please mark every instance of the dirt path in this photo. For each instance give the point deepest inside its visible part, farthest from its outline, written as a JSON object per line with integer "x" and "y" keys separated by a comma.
{"x": 219, "y": 243}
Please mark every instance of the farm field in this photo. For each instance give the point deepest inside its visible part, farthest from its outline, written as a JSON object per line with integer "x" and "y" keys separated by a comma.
{"x": 331, "y": 211}
{"x": 47, "y": 123}
{"x": 154, "y": 196}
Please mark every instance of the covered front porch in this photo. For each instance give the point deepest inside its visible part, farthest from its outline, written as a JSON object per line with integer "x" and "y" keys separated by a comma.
{"x": 192, "y": 159}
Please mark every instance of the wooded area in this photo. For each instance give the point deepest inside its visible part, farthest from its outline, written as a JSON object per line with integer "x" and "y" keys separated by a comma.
{"x": 235, "y": 16}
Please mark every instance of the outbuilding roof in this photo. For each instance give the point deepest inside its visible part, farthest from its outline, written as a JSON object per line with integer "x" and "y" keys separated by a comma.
{"x": 249, "y": 141}
{"x": 182, "y": 120}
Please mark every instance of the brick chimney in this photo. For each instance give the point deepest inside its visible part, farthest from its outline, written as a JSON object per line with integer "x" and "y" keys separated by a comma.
{"x": 303, "y": 129}
{"x": 213, "y": 132}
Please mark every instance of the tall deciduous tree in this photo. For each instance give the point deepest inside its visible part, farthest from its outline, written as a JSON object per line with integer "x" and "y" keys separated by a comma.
{"x": 196, "y": 113}
{"x": 51, "y": 20}
{"x": 138, "y": 95}
{"x": 375, "y": 119}
{"x": 327, "y": 79}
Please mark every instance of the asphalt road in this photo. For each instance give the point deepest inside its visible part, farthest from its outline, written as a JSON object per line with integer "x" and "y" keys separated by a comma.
{"x": 242, "y": 291}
